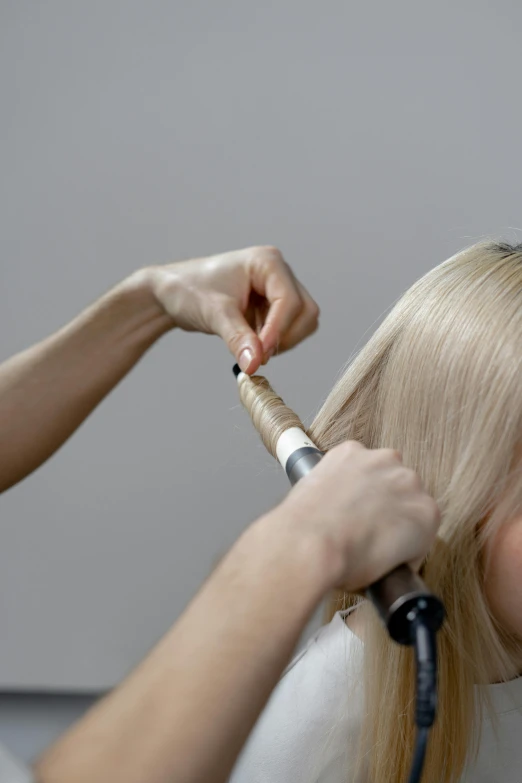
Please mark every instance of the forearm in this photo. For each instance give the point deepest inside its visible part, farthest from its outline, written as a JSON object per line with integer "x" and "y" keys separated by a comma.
{"x": 48, "y": 390}
{"x": 184, "y": 714}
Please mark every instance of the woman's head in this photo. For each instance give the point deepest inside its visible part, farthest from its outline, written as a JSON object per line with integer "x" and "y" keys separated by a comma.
{"x": 440, "y": 381}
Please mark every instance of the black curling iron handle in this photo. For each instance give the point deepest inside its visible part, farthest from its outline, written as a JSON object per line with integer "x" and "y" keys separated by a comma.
{"x": 400, "y": 597}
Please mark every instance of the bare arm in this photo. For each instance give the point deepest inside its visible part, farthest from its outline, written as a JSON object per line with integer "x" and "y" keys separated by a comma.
{"x": 47, "y": 391}
{"x": 184, "y": 714}
{"x": 248, "y": 297}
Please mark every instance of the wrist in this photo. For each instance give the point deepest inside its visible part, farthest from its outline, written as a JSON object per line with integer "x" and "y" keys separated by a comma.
{"x": 304, "y": 559}
{"x": 139, "y": 304}
{"x": 164, "y": 285}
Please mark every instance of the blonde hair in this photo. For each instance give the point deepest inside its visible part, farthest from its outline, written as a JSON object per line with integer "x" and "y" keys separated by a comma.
{"x": 440, "y": 381}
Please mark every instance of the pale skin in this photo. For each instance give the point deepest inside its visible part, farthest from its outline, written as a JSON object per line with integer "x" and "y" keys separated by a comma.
{"x": 249, "y": 297}
{"x": 503, "y": 582}
{"x": 185, "y": 712}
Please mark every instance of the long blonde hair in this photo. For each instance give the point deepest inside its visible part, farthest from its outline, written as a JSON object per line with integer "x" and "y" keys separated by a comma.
{"x": 441, "y": 381}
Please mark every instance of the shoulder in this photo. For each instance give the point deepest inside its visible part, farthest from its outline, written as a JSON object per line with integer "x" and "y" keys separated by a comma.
{"x": 334, "y": 650}
{"x": 312, "y": 713}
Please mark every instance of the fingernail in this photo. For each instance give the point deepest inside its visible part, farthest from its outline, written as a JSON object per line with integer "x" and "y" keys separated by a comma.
{"x": 245, "y": 358}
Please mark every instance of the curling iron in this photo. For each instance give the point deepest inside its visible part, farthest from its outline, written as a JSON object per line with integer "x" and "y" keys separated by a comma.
{"x": 411, "y": 613}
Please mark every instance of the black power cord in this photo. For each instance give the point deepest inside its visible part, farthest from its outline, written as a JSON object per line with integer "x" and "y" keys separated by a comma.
{"x": 425, "y": 646}
{"x": 418, "y": 757}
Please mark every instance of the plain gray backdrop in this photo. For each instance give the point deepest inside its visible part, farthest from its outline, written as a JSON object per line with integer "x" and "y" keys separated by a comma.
{"x": 369, "y": 141}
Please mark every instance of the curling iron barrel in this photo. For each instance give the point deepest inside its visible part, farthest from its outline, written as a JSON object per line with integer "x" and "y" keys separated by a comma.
{"x": 400, "y": 597}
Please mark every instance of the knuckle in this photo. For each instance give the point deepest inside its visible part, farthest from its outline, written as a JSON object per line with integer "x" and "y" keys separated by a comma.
{"x": 337, "y": 453}
{"x": 349, "y": 447}
{"x": 389, "y": 454}
{"x": 270, "y": 253}
{"x": 385, "y": 456}
{"x": 294, "y": 301}
{"x": 409, "y": 481}
{"x": 413, "y": 479}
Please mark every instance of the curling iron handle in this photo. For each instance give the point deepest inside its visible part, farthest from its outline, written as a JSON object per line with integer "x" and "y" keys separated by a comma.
{"x": 399, "y": 597}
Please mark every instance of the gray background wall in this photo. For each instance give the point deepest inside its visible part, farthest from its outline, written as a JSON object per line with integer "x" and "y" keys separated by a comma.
{"x": 368, "y": 141}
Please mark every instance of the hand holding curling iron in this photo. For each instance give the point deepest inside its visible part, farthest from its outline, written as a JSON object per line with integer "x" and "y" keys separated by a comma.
{"x": 367, "y": 508}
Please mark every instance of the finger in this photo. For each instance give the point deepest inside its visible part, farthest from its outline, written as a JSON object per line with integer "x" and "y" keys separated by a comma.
{"x": 430, "y": 515}
{"x": 242, "y": 341}
{"x": 305, "y": 324}
{"x": 272, "y": 278}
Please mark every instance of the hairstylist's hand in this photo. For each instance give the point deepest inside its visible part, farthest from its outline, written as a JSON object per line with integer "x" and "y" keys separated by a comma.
{"x": 249, "y": 297}
{"x": 371, "y": 511}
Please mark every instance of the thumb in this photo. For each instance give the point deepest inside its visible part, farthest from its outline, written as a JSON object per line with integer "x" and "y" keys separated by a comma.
{"x": 241, "y": 340}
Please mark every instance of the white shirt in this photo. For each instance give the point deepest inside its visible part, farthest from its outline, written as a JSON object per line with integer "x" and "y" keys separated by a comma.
{"x": 310, "y": 726}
